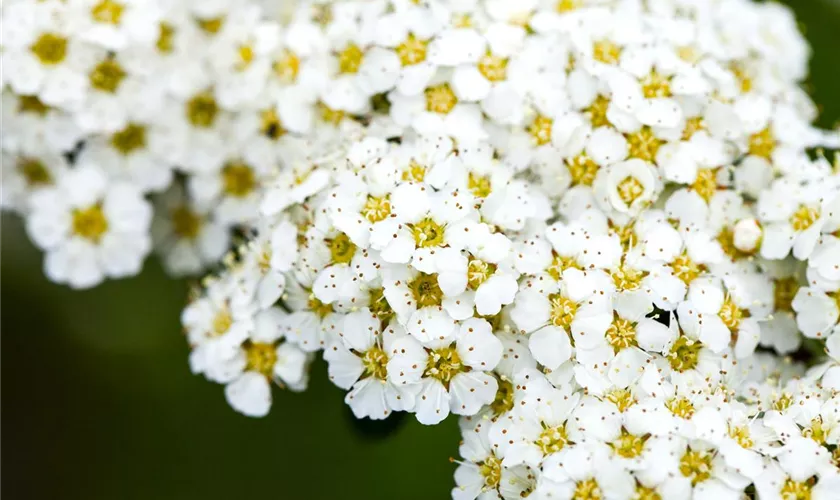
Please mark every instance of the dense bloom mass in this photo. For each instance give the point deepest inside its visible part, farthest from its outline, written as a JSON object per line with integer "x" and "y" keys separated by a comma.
{"x": 604, "y": 233}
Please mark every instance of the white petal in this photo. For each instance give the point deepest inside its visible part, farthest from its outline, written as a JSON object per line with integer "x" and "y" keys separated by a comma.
{"x": 250, "y": 394}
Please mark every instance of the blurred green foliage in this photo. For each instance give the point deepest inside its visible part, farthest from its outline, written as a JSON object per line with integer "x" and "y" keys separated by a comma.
{"x": 98, "y": 401}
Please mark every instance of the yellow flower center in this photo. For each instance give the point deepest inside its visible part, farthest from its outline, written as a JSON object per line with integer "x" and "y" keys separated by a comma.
{"x": 804, "y": 217}
{"x": 322, "y": 14}
{"x": 626, "y": 235}
{"x": 31, "y": 104}
{"x": 440, "y": 99}
{"x": 630, "y": 190}
{"x": 628, "y": 445}
{"x": 731, "y": 314}
{"x": 587, "y": 489}
{"x": 202, "y": 110}
{"x": 744, "y": 80}
{"x": 107, "y": 11}
{"x": 491, "y": 470}
{"x": 621, "y": 334}
{"x": 479, "y": 185}
{"x": 686, "y": 269}
{"x": 696, "y": 465}
{"x": 795, "y": 490}
{"x": 478, "y": 272}
{"x": 90, "y": 223}
{"x": 350, "y": 59}
{"x": 816, "y": 431}
{"x": 606, "y": 52}
{"x": 688, "y": 54}
{"x": 503, "y": 402}
{"x": 762, "y": 144}
{"x": 783, "y": 402}
{"x": 427, "y": 233}
{"x": 726, "y": 238}
{"x": 552, "y": 439}
{"x": 597, "y": 112}
{"x": 375, "y": 362}
{"x": 493, "y": 67}
{"x": 379, "y": 306}
{"x": 34, "y": 172}
{"x": 426, "y": 290}
{"x": 318, "y": 307}
{"x": 582, "y": 169}
{"x": 415, "y": 172}
{"x": 656, "y": 85}
{"x": 627, "y": 279}
{"x": 330, "y": 115}
{"x": 107, "y": 76}
{"x": 705, "y": 184}
{"x": 562, "y": 310}
{"x": 621, "y": 398}
{"x": 783, "y": 293}
{"x": 238, "y": 179}
{"x": 685, "y": 354}
{"x": 342, "y": 249}
{"x": 692, "y": 126}
{"x": 644, "y": 144}
{"x": 377, "y": 208}
{"x": 462, "y": 20}
{"x": 680, "y": 407}
{"x": 211, "y": 26}
{"x": 185, "y": 223}
{"x": 287, "y": 66}
{"x": 222, "y": 322}
{"x": 270, "y": 124}
{"x": 261, "y": 358}
{"x": 567, "y": 5}
{"x": 166, "y": 38}
{"x": 741, "y": 435}
{"x": 50, "y": 48}
{"x": 540, "y": 129}
{"x": 246, "y": 57}
{"x": 412, "y": 50}
{"x": 645, "y": 493}
{"x": 559, "y": 264}
{"x": 129, "y": 139}
{"x": 443, "y": 364}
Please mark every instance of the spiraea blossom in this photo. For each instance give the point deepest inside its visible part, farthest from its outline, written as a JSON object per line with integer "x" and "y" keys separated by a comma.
{"x": 604, "y": 234}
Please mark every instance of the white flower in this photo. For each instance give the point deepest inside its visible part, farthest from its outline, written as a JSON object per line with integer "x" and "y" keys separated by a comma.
{"x": 626, "y": 187}
{"x": 27, "y": 172}
{"x": 481, "y": 474}
{"x": 584, "y": 469}
{"x": 451, "y": 370}
{"x": 794, "y": 216}
{"x": 41, "y": 55}
{"x": 131, "y": 155}
{"x": 553, "y": 313}
{"x": 263, "y": 358}
{"x": 717, "y": 318}
{"x": 696, "y": 472}
{"x": 188, "y": 238}
{"x": 90, "y": 229}
{"x": 235, "y": 189}
{"x": 359, "y": 362}
{"x": 32, "y": 125}
{"x": 115, "y": 25}
{"x": 537, "y": 428}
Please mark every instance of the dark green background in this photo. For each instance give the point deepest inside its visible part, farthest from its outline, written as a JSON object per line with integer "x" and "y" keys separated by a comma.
{"x": 98, "y": 401}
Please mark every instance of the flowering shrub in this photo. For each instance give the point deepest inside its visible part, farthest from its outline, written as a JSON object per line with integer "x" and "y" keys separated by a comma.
{"x": 595, "y": 230}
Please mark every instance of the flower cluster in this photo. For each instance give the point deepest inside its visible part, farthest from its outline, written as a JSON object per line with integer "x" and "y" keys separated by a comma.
{"x": 602, "y": 232}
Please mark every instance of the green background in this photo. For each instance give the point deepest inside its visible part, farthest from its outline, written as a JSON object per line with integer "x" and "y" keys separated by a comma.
{"x": 98, "y": 401}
